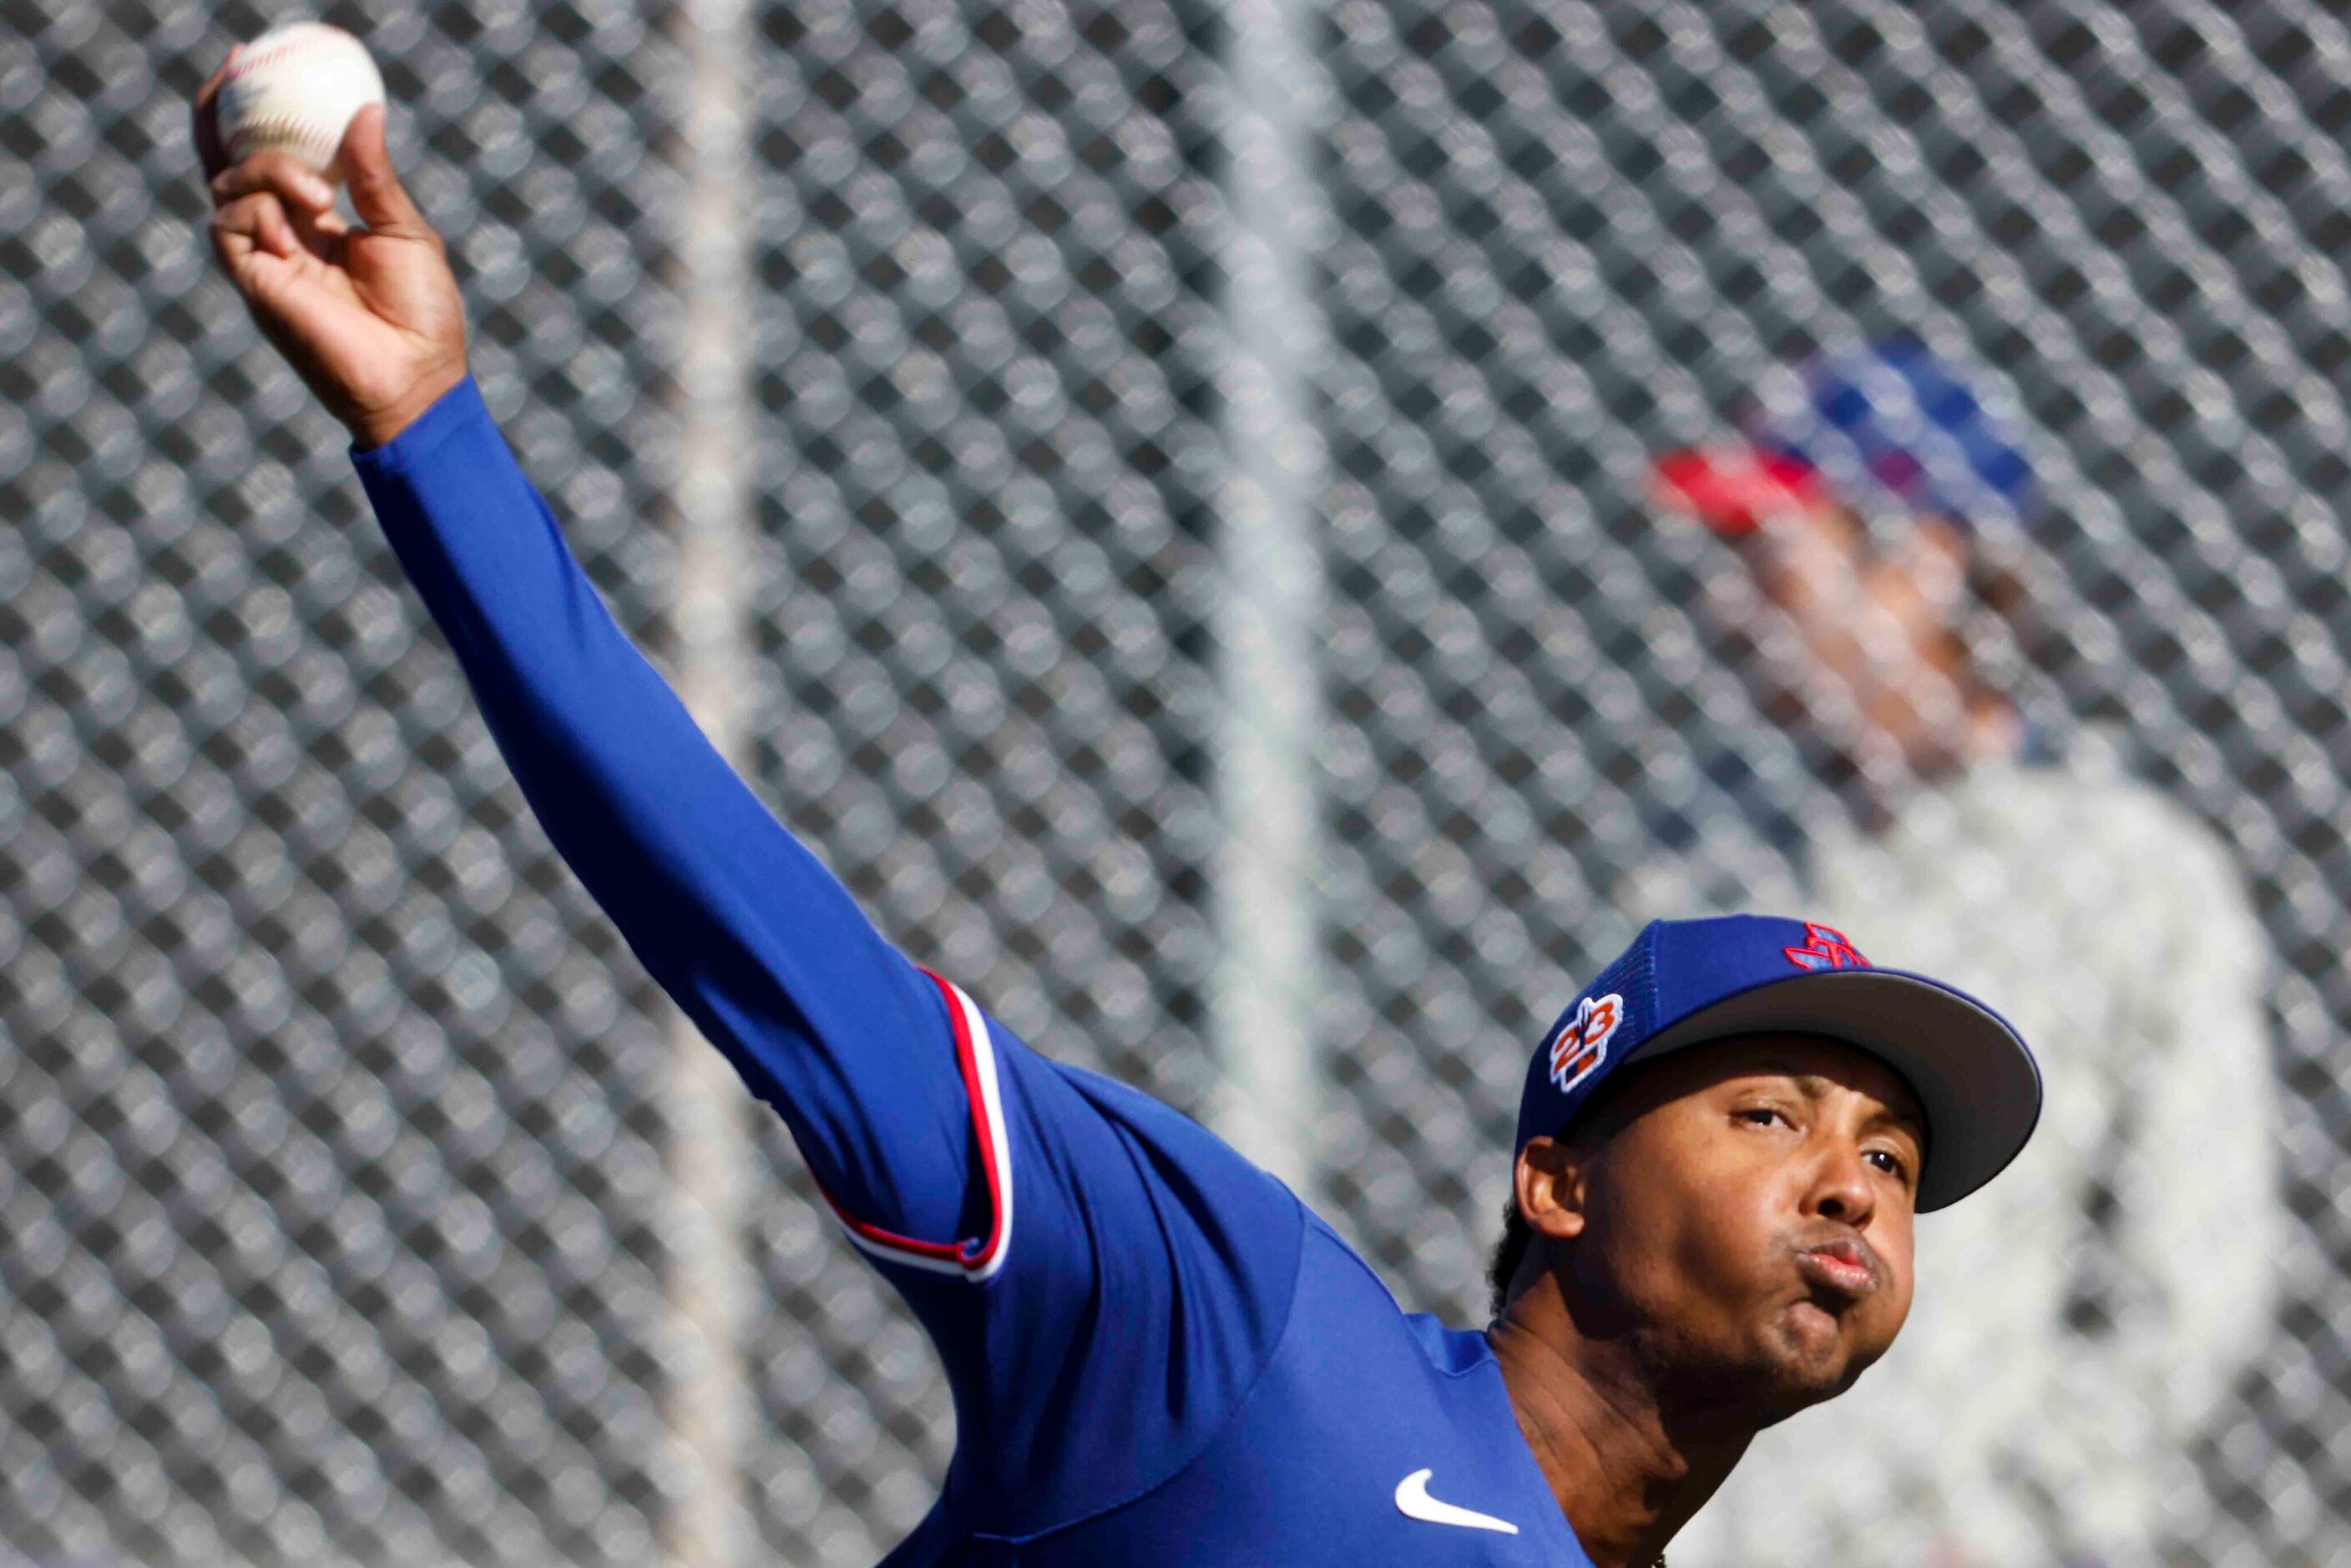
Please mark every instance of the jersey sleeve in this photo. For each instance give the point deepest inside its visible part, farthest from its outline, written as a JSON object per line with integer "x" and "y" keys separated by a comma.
{"x": 1102, "y": 1277}
{"x": 853, "y": 1045}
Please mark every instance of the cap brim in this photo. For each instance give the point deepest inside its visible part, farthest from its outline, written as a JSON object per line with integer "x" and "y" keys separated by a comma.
{"x": 1734, "y": 492}
{"x": 1975, "y": 1079}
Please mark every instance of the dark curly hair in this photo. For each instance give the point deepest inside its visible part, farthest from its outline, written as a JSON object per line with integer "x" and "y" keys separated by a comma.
{"x": 1508, "y": 1254}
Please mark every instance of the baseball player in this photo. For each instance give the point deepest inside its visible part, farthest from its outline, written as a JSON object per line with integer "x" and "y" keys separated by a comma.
{"x": 1157, "y": 1354}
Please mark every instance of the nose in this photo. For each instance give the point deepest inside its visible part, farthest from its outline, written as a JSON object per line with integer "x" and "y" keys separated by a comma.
{"x": 1841, "y": 1188}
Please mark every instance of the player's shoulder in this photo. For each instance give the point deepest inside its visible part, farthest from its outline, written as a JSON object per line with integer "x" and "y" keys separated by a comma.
{"x": 1375, "y": 1433}
{"x": 1344, "y": 1308}
{"x": 2148, "y": 824}
{"x": 2092, "y": 794}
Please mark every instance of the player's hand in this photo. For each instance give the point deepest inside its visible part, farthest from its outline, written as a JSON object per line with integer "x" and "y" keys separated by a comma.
{"x": 370, "y": 315}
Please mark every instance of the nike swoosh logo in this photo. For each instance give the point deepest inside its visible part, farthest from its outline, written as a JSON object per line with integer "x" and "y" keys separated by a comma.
{"x": 1413, "y": 1501}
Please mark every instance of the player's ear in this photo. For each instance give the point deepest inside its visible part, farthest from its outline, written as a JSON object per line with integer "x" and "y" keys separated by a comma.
{"x": 1549, "y": 1182}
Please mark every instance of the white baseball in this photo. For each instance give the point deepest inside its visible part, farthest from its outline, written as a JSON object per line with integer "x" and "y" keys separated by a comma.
{"x": 295, "y": 90}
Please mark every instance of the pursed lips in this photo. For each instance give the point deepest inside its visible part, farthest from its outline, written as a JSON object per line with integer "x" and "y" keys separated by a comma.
{"x": 1843, "y": 1266}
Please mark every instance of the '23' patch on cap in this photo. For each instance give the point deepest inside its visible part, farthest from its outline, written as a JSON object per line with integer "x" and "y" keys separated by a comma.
{"x": 1580, "y": 1044}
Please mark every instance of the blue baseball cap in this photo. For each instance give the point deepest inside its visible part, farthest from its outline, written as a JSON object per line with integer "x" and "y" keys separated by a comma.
{"x": 1686, "y": 982}
{"x": 1894, "y": 428}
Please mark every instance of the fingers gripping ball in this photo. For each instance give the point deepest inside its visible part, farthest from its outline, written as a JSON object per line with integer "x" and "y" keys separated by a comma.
{"x": 294, "y": 89}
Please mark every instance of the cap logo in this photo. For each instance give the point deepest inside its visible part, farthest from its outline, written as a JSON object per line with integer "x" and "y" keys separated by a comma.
{"x": 1582, "y": 1043}
{"x": 1825, "y": 947}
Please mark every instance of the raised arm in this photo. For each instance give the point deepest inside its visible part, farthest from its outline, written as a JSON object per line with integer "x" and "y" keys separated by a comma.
{"x": 885, "y": 1075}
{"x": 1093, "y": 1348}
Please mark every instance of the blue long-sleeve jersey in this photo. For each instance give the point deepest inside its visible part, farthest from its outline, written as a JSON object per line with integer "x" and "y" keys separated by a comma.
{"x": 1157, "y": 1354}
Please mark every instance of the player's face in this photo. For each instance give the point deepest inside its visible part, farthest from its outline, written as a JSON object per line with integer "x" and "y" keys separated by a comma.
{"x": 1878, "y": 630}
{"x": 1751, "y": 1217}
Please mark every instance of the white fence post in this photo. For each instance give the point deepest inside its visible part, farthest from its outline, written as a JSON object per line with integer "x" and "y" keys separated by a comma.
{"x": 710, "y": 1278}
{"x": 1268, "y": 985}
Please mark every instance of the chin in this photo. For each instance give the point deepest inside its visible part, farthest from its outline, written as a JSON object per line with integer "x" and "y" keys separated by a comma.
{"x": 1809, "y": 1356}
{"x": 1783, "y": 1367}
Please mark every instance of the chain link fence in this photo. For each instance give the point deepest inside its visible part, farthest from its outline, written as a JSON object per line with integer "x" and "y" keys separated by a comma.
{"x": 986, "y": 462}
{"x": 333, "y": 1150}
{"x": 333, "y": 1154}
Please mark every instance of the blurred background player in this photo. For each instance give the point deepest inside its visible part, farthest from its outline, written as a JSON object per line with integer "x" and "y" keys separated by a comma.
{"x": 2089, "y": 1313}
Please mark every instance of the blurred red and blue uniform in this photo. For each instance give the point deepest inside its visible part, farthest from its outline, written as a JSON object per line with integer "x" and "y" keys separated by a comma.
{"x": 1158, "y": 1354}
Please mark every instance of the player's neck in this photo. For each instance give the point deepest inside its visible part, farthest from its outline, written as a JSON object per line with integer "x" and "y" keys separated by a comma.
{"x": 1627, "y": 1467}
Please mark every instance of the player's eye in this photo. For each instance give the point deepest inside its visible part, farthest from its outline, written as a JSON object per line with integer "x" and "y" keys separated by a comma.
{"x": 1890, "y": 1161}
{"x": 1762, "y": 1115}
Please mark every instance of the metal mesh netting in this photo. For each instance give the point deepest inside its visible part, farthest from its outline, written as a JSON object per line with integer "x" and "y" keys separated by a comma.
{"x": 333, "y": 1180}
{"x": 412, "y": 1308}
{"x": 332, "y": 1157}
{"x": 985, "y": 461}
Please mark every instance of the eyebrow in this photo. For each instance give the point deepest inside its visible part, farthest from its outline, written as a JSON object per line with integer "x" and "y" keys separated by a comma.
{"x": 1814, "y": 1085}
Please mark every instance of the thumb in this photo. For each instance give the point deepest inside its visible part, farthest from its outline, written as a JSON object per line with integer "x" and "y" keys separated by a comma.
{"x": 377, "y": 195}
